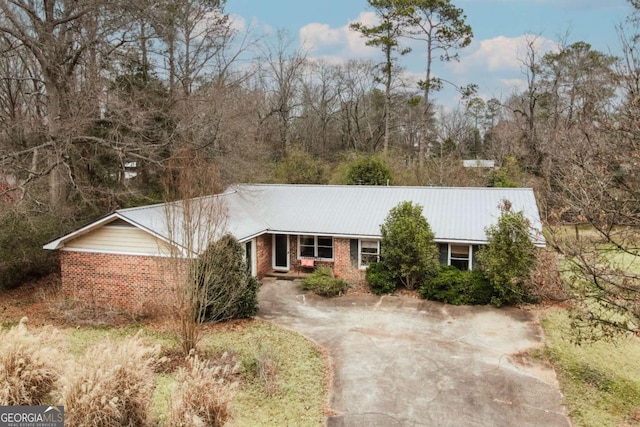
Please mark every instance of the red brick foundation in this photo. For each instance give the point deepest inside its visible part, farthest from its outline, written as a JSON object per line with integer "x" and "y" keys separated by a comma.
{"x": 142, "y": 284}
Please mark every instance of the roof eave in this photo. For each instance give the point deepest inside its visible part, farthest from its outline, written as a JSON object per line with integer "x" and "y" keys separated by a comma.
{"x": 59, "y": 242}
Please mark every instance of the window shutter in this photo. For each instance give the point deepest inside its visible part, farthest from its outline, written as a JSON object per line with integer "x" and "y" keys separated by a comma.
{"x": 474, "y": 261}
{"x": 353, "y": 250}
{"x": 444, "y": 253}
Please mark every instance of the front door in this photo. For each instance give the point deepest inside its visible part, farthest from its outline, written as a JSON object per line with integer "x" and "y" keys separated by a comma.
{"x": 281, "y": 252}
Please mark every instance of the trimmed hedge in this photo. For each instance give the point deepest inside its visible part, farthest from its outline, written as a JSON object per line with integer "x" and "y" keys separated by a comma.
{"x": 458, "y": 287}
{"x": 380, "y": 279}
{"x": 321, "y": 282}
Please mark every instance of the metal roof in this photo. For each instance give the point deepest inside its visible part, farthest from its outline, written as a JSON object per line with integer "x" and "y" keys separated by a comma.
{"x": 454, "y": 213}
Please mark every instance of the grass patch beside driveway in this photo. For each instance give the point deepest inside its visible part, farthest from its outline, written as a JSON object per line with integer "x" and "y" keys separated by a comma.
{"x": 600, "y": 381}
{"x": 284, "y": 372}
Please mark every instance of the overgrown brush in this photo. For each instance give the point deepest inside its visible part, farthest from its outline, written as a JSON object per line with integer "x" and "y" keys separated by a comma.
{"x": 263, "y": 368}
{"x": 545, "y": 282}
{"x": 28, "y": 368}
{"x": 111, "y": 385}
{"x": 201, "y": 397}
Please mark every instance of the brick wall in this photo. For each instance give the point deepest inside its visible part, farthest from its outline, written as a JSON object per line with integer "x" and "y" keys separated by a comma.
{"x": 293, "y": 252}
{"x": 341, "y": 264}
{"x": 342, "y": 267}
{"x": 147, "y": 284}
{"x": 138, "y": 283}
{"x": 263, "y": 254}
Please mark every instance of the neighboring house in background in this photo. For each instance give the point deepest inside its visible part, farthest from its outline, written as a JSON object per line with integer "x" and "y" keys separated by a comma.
{"x": 121, "y": 258}
{"x": 10, "y": 190}
{"x": 489, "y": 164}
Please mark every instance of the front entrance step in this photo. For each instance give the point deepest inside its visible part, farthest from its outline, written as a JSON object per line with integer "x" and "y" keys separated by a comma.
{"x": 290, "y": 275}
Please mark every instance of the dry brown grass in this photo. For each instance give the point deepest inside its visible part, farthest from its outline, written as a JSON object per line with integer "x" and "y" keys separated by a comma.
{"x": 202, "y": 395}
{"x": 111, "y": 385}
{"x": 545, "y": 281}
{"x": 28, "y": 368}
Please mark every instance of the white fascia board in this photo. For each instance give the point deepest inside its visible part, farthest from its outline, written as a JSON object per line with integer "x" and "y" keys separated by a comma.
{"x": 461, "y": 242}
{"x": 324, "y": 234}
{"x": 108, "y": 252}
{"x": 252, "y": 236}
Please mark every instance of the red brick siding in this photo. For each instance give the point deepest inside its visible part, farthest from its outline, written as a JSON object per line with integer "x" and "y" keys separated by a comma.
{"x": 342, "y": 262}
{"x": 263, "y": 254}
{"x": 138, "y": 283}
{"x": 293, "y": 252}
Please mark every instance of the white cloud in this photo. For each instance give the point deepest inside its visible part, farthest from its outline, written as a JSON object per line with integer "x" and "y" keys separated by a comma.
{"x": 316, "y": 36}
{"x": 238, "y": 23}
{"x": 337, "y": 44}
{"x": 500, "y": 54}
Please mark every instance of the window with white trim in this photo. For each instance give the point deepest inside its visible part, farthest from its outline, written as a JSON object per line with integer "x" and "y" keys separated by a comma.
{"x": 460, "y": 256}
{"x": 315, "y": 247}
{"x": 369, "y": 252}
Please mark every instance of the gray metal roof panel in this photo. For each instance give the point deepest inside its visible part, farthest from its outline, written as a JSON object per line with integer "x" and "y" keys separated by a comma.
{"x": 455, "y": 214}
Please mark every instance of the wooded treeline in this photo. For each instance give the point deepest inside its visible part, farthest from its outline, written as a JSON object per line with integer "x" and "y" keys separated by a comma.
{"x": 103, "y": 101}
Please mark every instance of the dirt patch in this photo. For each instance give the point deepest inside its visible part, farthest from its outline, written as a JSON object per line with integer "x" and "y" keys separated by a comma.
{"x": 534, "y": 362}
{"x": 226, "y": 366}
{"x": 358, "y": 289}
{"x": 363, "y": 289}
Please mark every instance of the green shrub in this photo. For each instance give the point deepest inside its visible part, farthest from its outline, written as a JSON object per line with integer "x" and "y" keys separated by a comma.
{"x": 300, "y": 167}
{"x": 408, "y": 249}
{"x": 368, "y": 171}
{"x": 458, "y": 287}
{"x": 226, "y": 289}
{"x": 506, "y": 176}
{"x": 509, "y": 257}
{"x": 380, "y": 279}
{"x": 321, "y": 282}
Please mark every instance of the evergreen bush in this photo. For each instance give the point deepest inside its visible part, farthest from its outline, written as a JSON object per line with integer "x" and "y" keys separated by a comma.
{"x": 457, "y": 287}
{"x": 380, "y": 279}
{"x": 369, "y": 171}
{"x": 509, "y": 257}
{"x": 321, "y": 282}
{"x": 408, "y": 250}
{"x": 227, "y": 289}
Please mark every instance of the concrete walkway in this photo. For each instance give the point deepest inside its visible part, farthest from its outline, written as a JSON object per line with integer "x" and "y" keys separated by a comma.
{"x": 405, "y": 362}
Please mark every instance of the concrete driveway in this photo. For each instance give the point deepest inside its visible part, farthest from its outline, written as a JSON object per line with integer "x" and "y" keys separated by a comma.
{"x": 400, "y": 361}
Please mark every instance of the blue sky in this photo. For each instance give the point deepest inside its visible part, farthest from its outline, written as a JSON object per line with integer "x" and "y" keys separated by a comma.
{"x": 500, "y": 27}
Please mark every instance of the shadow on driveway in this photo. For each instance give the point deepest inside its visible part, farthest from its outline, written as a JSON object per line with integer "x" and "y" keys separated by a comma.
{"x": 399, "y": 361}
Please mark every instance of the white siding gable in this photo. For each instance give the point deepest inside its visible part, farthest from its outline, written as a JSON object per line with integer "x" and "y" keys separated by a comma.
{"x": 120, "y": 238}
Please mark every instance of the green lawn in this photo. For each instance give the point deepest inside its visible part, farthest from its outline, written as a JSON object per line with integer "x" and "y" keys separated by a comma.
{"x": 298, "y": 397}
{"x": 600, "y": 381}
